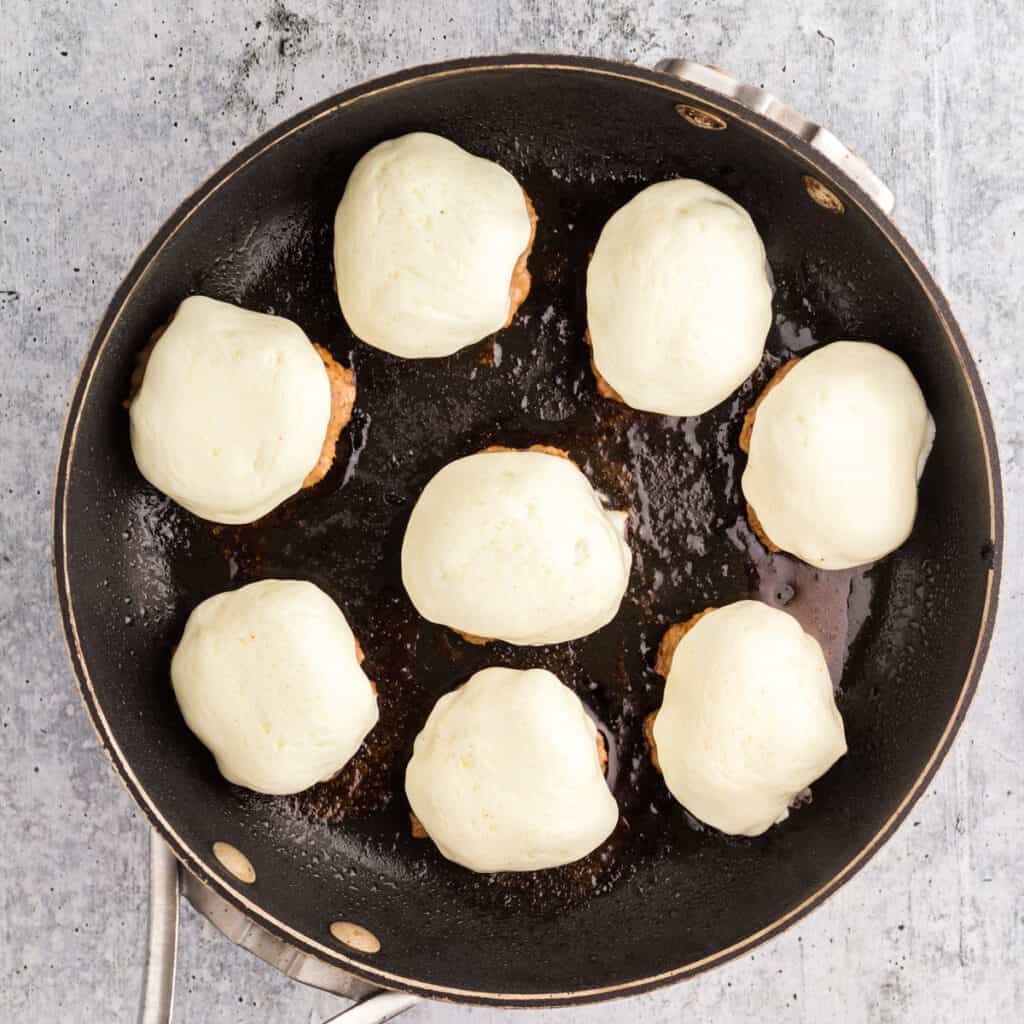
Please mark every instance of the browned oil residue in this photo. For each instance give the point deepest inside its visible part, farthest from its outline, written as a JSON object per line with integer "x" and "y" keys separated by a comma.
{"x": 831, "y": 605}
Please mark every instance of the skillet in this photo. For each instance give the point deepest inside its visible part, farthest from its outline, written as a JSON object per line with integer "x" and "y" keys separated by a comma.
{"x": 664, "y": 898}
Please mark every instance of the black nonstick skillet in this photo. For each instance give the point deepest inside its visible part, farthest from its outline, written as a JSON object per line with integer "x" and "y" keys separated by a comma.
{"x": 664, "y": 898}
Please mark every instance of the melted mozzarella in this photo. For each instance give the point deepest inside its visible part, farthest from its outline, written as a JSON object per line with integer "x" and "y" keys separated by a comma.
{"x": 515, "y": 546}
{"x": 678, "y": 299}
{"x": 232, "y": 412}
{"x": 748, "y": 720}
{"x": 837, "y": 448}
{"x": 426, "y": 239}
{"x": 505, "y": 775}
{"x": 268, "y": 678}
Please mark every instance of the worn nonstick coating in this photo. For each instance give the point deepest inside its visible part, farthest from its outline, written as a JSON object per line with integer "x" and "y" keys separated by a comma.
{"x": 663, "y": 897}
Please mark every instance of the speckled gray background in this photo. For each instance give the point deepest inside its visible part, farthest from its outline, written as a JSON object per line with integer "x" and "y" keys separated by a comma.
{"x": 110, "y": 113}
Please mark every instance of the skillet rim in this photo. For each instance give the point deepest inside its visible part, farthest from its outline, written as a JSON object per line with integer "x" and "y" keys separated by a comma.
{"x": 667, "y": 82}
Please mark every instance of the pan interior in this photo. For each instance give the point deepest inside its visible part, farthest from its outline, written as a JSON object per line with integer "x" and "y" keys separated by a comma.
{"x": 662, "y": 892}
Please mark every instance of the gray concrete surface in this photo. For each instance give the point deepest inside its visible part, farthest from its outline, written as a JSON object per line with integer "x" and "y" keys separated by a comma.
{"x": 111, "y": 112}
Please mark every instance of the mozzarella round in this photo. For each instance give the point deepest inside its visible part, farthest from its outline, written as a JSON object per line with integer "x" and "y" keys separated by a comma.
{"x": 678, "y": 299}
{"x": 836, "y": 451}
{"x": 748, "y": 720}
{"x": 268, "y": 678}
{"x": 426, "y": 239}
{"x": 515, "y": 546}
{"x": 505, "y": 775}
{"x": 232, "y": 411}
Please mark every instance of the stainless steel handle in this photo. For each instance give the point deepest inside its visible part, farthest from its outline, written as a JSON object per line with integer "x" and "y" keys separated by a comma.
{"x": 764, "y": 103}
{"x": 165, "y": 887}
{"x": 161, "y": 935}
{"x": 377, "y": 1009}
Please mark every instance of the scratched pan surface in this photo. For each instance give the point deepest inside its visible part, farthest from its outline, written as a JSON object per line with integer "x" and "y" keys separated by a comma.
{"x": 663, "y": 897}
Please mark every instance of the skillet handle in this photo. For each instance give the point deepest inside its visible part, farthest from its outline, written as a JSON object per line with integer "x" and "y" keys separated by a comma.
{"x": 759, "y": 101}
{"x": 162, "y": 933}
{"x": 378, "y": 1008}
{"x": 162, "y": 952}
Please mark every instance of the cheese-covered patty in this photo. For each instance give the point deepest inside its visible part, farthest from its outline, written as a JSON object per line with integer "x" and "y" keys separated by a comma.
{"x": 835, "y": 454}
{"x": 515, "y": 546}
{"x": 426, "y": 241}
{"x": 232, "y": 411}
{"x": 678, "y": 299}
{"x": 268, "y": 678}
{"x": 748, "y": 720}
{"x": 505, "y": 775}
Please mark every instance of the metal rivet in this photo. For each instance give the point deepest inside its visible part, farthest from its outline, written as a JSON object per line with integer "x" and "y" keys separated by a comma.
{"x": 823, "y": 195}
{"x": 235, "y": 861}
{"x": 356, "y": 936}
{"x": 701, "y": 118}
